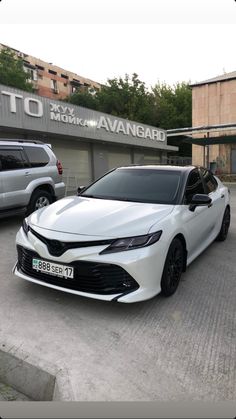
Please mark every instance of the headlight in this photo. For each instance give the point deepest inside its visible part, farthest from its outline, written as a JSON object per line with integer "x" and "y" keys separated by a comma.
{"x": 130, "y": 243}
{"x": 25, "y": 226}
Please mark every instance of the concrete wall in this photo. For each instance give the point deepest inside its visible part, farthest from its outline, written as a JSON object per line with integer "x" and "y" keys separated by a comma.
{"x": 214, "y": 104}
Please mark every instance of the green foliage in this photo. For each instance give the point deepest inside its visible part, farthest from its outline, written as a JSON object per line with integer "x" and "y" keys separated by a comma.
{"x": 164, "y": 106}
{"x": 84, "y": 98}
{"x": 127, "y": 98}
{"x": 174, "y": 110}
{"x": 12, "y": 71}
{"x": 173, "y": 105}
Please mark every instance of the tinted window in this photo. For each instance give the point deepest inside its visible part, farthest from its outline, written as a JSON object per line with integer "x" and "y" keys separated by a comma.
{"x": 37, "y": 156}
{"x": 211, "y": 183}
{"x": 194, "y": 186}
{"x": 11, "y": 160}
{"x": 138, "y": 185}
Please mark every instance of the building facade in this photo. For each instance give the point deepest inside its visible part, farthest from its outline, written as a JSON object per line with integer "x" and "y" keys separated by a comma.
{"x": 214, "y": 104}
{"x": 51, "y": 81}
{"x": 88, "y": 143}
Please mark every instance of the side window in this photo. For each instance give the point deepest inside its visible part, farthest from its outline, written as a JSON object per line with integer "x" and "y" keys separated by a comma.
{"x": 194, "y": 186}
{"x": 210, "y": 181}
{"x": 11, "y": 159}
{"x": 37, "y": 156}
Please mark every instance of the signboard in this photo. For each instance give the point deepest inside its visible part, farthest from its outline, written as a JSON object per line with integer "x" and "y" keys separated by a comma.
{"x": 28, "y": 111}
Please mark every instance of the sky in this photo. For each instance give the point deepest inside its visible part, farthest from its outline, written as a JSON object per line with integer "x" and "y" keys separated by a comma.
{"x": 161, "y": 40}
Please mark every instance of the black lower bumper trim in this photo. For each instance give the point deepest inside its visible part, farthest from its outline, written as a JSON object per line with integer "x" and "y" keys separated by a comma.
{"x": 89, "y": 277}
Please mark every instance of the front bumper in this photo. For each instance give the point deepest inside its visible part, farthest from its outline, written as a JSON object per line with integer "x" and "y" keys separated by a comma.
{"x": 128, "y": 276}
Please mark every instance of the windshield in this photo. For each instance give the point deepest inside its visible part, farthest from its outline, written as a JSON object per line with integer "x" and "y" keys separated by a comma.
{"x": 137, "y": 185}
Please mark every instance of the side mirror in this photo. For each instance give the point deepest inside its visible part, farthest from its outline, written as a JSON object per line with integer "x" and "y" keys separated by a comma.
{"x": 200, "y": 200}
{"x": 80, "y": 189}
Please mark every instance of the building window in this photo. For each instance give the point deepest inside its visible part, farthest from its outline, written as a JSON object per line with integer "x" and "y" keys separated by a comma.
{"x": 52, "y": 72}
{"x": 33, "y": 74}
{"x": 54, "y": 86}
{"x": 40, "y": 71}
{"x": 39, "y": 67}
{"x": 74, "y": 89}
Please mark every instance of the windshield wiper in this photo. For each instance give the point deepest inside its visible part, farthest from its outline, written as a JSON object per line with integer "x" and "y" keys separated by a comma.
{"x": 94, "y": 196}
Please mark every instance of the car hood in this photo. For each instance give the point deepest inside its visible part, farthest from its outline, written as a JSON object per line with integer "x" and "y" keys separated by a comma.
{"x": 99, "y": 217}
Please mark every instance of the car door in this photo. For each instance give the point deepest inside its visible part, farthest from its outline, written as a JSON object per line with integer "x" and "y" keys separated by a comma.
{"x": 217, "y": 194}
{"x": 197, "y": 224}
{"x": 14, "y": 177}
{"x": 1, "y": 188}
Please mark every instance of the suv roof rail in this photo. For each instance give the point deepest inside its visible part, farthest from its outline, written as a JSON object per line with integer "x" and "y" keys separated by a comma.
{"x": 17, "y": 140}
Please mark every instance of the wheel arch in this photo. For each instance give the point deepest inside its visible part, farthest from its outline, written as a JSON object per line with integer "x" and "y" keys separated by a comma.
{"x": 181, "y": 237}
{"x": 44, "y": 187}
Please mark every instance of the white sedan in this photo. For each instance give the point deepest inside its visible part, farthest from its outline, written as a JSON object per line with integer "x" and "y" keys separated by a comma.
{"x": 128, "y": 236}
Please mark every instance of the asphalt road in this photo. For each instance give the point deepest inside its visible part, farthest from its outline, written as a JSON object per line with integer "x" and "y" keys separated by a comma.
{"x": 180, "y": 348}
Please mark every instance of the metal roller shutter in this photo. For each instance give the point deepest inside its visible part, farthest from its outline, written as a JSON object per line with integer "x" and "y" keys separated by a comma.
{"x": 118, "y": 159}
{"x": 76, "y": 164}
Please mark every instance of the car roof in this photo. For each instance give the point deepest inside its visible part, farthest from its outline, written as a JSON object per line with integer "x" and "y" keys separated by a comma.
{"x": 160, "y": 167}
{"x": 15, "y": 141}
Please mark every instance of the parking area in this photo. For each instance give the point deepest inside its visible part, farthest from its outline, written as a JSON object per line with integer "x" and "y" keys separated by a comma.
{"x": 180, "y": 348}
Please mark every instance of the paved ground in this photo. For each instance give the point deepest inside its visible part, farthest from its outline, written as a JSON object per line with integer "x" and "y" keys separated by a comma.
{"x": 181, "y": 348}
{"x": 7, "y": 393}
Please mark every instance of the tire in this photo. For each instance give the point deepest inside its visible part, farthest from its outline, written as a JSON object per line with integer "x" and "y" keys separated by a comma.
{"x": 39, "y": 199}
{"x": 173, "y": 268}
{"x": 224, "y": 226}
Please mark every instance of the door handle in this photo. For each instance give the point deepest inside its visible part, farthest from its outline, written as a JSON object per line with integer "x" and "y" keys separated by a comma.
{"x": 223, "y": 195}
{"x": 27, "y": 173}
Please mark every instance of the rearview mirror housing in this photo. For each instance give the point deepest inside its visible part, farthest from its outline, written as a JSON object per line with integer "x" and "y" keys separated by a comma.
{"x": 80, "y": 189}
{"x": 200, "y": 200}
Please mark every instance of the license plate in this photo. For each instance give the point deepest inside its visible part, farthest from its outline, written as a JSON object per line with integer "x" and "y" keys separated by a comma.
{"x": 50, "y": 268}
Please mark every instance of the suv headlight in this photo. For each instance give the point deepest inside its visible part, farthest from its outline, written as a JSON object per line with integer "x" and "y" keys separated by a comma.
{"x": 130, "y": 243}
{"x": 25, "y": 226}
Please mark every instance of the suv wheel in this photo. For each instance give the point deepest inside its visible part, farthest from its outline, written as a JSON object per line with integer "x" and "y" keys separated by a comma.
{"x": 39, "y": 199}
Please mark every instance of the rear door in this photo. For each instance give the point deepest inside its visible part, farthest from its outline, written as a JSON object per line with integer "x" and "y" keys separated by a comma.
{"x": 1, "y": 188}
{"x": 14, "y": 177}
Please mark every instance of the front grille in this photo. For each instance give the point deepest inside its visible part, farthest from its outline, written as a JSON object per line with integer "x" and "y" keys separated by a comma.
{"x": 91, "y": 277}
{"x": 57, "y": 248}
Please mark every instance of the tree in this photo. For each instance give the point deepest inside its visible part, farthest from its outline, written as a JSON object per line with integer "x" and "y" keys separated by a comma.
{"x": 12, "y": 71}
{"x": 164, "y": 106}
{"x": 173, "y": 105}
{"x": 85, "y": 98}
{"x": 127, "y": 98}
{"x": 174, "y": 110}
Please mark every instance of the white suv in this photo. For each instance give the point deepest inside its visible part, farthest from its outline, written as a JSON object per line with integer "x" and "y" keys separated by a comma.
{"x": 30, "y": 176}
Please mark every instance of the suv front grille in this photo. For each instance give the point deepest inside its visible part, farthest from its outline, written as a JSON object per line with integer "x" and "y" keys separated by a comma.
{"x": 91, "y": 277}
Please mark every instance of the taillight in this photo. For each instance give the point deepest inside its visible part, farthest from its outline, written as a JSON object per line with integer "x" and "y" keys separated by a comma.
{"x": 59, "y": 167}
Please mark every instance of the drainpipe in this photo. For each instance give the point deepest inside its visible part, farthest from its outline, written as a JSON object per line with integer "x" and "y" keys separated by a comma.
{"x": 208, "y": 152}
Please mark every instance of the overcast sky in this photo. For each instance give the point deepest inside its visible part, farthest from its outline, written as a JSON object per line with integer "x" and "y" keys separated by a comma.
{"x": 165, "y": 40}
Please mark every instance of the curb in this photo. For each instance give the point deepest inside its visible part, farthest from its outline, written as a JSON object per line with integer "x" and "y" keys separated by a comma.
{"x": 32, "y": 376}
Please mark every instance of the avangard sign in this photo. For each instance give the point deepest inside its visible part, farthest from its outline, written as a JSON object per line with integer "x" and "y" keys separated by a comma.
{"x": 129, "y": 128}
{"x": 67, "y": 116}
